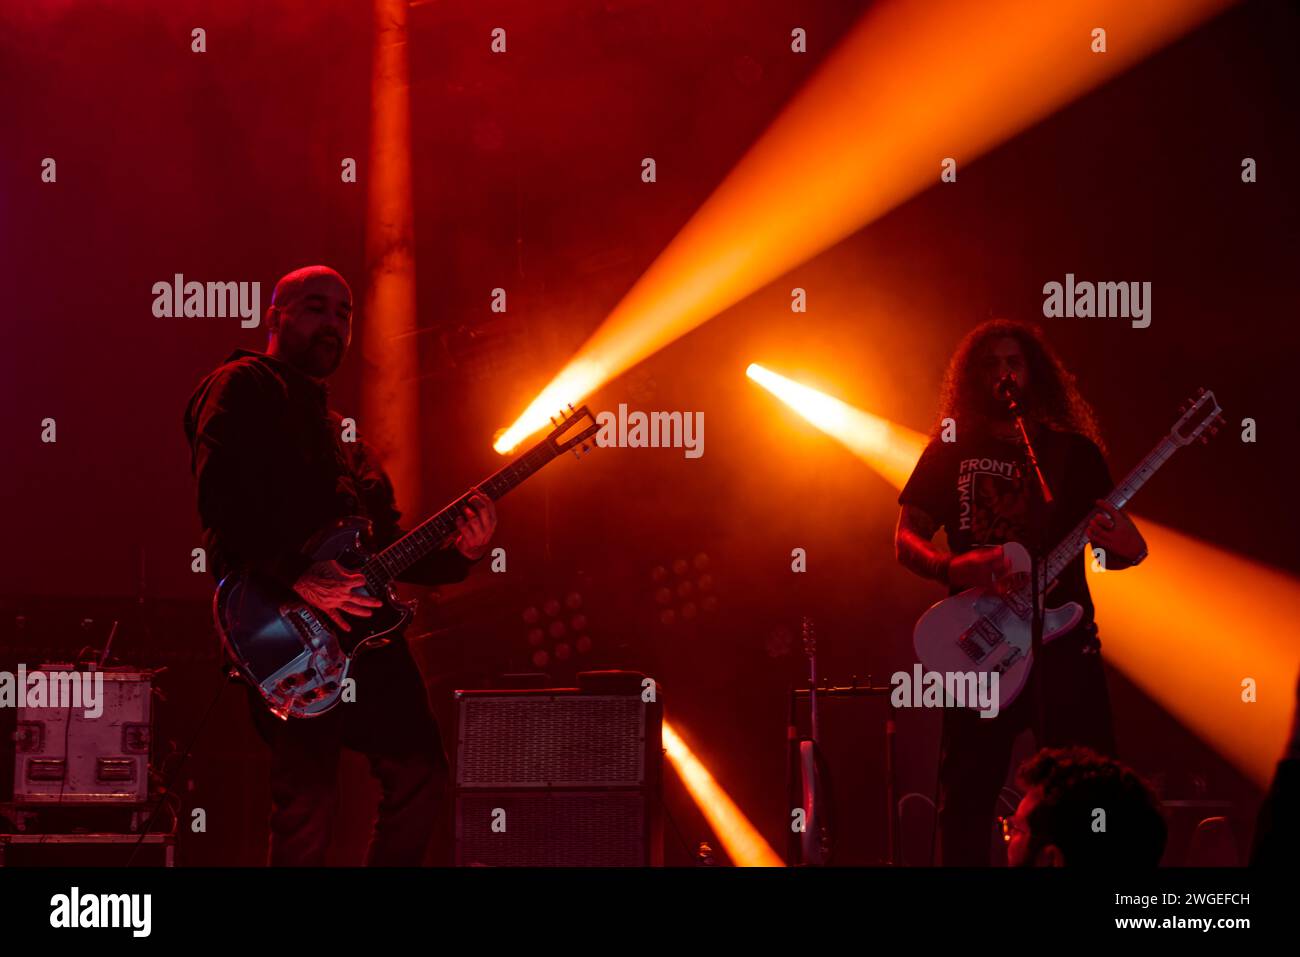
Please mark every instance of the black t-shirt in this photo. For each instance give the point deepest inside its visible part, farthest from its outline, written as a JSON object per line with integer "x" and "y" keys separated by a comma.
{"x": 975, "y": 490}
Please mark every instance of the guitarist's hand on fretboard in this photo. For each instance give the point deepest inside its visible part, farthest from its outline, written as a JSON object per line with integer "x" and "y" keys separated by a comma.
{"x": 1113, "y": 531}
{"x": 476, "y": 526}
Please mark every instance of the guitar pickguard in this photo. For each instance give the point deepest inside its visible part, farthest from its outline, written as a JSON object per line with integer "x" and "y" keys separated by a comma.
{"x": 988, "y": 629}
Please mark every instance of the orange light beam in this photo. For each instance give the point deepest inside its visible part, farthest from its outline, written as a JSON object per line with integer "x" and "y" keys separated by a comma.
{"x": 912, "y": 83}
{"x": 1188, "y": 626}
{"x": 740, "y": 839}
{"x": 892, "y": 450}
{"x": 1191, "y": 623}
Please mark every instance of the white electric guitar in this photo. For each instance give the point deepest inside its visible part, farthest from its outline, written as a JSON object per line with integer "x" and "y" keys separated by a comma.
{"x": 986, "y": 629}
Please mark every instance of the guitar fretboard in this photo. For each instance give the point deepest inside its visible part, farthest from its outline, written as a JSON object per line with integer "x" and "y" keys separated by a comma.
{"x": 433, "y": 534}
{"x": 1073, "y": 543}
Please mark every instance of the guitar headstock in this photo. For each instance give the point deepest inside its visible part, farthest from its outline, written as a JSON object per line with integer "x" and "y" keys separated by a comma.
{"x": 572, "y": 429}
{"x": 1200, "y": 415}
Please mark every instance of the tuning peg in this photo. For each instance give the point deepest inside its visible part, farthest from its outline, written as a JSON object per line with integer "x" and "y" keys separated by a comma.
{"x": 586, "y": 447}
{"x": 1200, "y": 392}
{"x": 570, "y": 406}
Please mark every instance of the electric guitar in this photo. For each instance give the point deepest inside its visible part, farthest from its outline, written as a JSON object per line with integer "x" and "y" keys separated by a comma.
{"x": 986, "y": 629}
{"x": 292, "y": 653}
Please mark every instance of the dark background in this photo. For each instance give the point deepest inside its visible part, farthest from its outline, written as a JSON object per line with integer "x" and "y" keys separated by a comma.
{"x": 225, "y": 166}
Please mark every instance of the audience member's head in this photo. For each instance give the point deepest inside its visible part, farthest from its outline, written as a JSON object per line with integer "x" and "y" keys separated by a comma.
{"x": 1083, "y": 810}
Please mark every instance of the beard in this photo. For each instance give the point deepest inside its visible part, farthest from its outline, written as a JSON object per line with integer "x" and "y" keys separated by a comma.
{"x": 997, "y": 409}
{"x": 319, "y": 356}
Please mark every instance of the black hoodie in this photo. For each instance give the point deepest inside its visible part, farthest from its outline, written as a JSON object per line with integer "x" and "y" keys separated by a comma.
{"x": 273, "y": 470}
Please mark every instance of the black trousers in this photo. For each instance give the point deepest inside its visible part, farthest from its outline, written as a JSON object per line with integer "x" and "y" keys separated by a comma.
{"x": 390, "y": 722}
{"x": 976, "y": 751}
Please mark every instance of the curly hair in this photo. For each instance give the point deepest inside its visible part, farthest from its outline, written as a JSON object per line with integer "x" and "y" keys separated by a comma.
{"x": 1053, "y": 398}
{"x": 1075, "y": 782}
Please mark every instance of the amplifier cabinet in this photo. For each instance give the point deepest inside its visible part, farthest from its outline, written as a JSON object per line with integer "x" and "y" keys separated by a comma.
{"x": 558, "y": 778}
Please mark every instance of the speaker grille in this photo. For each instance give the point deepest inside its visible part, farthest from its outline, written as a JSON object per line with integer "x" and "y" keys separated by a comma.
{"x": 545, "y": 741}
{"x": 552, "y": 829}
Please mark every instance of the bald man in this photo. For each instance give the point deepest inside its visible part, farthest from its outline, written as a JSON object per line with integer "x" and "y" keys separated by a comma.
{"x": 272, "y": 471}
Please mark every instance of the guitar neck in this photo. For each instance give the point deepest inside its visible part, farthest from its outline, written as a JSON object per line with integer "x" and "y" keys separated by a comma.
{"x": 1072, "y": 544}
{"x": 436, "y": 531}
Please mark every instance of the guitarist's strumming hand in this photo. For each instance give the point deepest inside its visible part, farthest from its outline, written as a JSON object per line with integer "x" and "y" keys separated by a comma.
{"x": 476, "y": 526}
{"x": 912, "y": 541}
{"x": 979, "y": 566}
{"x": 334, "y": 590}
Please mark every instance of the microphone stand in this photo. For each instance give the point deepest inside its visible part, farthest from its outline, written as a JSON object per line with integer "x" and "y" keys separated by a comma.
{"x": 1040, "y": 498}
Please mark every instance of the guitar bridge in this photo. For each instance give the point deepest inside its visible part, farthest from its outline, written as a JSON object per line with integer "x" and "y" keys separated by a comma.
{"x": 314, "y": 633}
{"x": 978, "y": 640}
